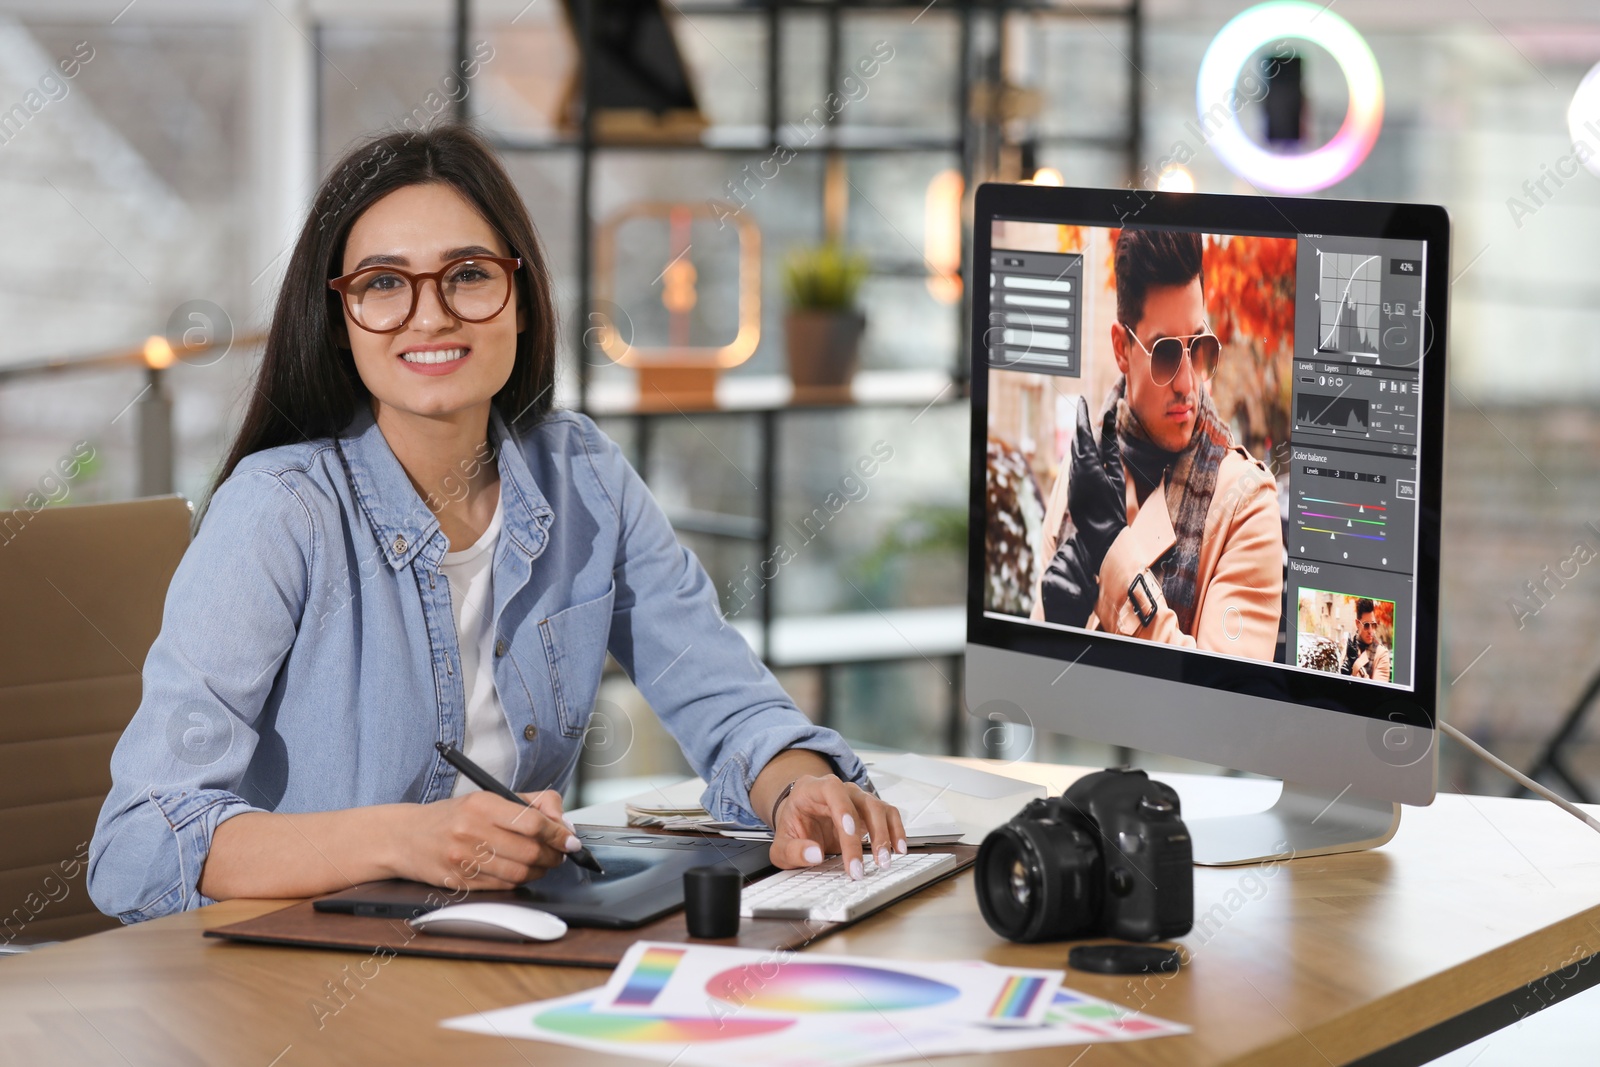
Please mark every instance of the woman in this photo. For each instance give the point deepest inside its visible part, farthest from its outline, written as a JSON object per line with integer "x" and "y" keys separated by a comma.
{"x": 407, "y": 545}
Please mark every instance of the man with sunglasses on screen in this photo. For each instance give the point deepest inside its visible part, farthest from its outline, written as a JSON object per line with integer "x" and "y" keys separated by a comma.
{"x": 1169, "y": 530}
{"x": 1364, "y": 655}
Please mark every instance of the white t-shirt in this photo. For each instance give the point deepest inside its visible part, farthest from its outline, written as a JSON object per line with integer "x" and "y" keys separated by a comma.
{"x": 488, "y": 741}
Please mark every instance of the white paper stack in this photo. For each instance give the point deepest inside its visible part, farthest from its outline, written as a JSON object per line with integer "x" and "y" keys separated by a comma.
{"x": 672, "y": 807}
{"x": 962, "y": 800}
{"x": 940, "y": 802}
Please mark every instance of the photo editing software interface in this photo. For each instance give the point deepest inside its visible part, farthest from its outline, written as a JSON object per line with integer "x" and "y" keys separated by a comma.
{"x": 1290, "y": 486}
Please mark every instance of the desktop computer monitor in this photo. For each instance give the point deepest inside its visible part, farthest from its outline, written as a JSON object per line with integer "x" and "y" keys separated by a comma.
{"x": 1207, "y": 437}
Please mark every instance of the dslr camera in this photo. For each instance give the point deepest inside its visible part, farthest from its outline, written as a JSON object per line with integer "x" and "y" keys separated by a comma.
{"x": 1110, "y": 857}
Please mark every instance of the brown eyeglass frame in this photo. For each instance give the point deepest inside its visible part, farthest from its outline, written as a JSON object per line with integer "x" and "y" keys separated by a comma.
{"x": 342, "y": 287}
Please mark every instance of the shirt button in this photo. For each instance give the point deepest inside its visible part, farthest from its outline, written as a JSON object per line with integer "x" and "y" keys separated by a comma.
{"x": 529, "y": 732}
{"x": 500, "y": 647}
{"x": 399, "y": 546}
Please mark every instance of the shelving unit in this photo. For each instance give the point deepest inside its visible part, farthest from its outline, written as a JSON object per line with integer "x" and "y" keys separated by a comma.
{"x": 976, "y": 150}
{"x": 976, "y": 146}
{"x": 768, "y": 401}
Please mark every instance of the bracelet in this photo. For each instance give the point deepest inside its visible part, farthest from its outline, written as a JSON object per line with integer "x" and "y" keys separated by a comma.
{"x": 784, "y": 795}
{"x": 773, "y": 822}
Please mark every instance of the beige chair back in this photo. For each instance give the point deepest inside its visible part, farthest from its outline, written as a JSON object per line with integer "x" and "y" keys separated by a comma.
{"x": 81, "y": 593}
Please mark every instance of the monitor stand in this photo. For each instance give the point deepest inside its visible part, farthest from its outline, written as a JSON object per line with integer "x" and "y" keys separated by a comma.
{"x": 1305, "y": 821}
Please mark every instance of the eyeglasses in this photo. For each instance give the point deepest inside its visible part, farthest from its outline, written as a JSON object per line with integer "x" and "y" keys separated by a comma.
{"x": 1166, "y": 355}
{"x": 1369, "y": 625}
{"x": 382, "y": 299}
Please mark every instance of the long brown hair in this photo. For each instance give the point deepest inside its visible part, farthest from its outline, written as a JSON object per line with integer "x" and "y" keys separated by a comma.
{"x": 307, "y": 386}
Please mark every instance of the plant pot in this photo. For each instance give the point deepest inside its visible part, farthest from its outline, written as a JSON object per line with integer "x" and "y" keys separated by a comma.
{"x": 824, "y": 347}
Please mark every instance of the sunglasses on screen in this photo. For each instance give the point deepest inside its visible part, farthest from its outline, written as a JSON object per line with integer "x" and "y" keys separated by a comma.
{"x": 1166, "y": 355}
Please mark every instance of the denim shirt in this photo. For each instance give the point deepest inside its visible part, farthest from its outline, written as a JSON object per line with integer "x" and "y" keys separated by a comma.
{"x": 307, "y": 657}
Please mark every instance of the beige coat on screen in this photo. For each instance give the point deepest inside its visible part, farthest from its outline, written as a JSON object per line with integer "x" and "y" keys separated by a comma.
{"x": 1240, "y": 575}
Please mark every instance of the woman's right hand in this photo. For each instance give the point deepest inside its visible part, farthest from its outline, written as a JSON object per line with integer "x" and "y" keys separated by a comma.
{"x": 481, "y": 841}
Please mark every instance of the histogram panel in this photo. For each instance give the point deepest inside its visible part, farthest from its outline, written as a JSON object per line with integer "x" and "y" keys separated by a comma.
{"x": 1348, "y": 413}
{"x": 1349, "y": 300}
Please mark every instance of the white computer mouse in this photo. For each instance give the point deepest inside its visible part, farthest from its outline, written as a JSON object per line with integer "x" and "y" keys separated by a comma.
{"x": 497, "y": 922}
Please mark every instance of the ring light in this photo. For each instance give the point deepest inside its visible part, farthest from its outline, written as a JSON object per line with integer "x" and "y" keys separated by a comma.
{"x": 1583, "y": 118}
{"x": 1275, "y": 21}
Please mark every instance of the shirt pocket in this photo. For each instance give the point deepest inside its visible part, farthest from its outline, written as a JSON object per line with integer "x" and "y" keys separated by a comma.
{"x": 575, "y": 642}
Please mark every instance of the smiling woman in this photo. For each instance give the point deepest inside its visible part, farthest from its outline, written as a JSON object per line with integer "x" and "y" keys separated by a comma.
{"x": 450, "y": 324}
{"x": 406, "y": 546}
{"x": 431, "y": 198}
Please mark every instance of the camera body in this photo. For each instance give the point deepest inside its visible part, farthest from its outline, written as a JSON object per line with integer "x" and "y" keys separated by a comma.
{"x": 1110, "y": 857}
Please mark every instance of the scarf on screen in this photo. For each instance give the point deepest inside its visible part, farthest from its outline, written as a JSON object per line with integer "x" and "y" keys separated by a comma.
{"x": 1191, "y": 480}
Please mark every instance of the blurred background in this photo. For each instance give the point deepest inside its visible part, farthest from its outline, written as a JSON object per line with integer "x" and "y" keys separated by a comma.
{"x": 150, "y": 197}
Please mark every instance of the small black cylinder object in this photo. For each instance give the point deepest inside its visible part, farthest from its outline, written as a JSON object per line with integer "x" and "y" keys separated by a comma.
{"x": 711, "y": 901}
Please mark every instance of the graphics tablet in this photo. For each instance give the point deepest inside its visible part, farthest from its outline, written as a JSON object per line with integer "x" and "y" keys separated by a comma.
{"x": 643, "y": 881}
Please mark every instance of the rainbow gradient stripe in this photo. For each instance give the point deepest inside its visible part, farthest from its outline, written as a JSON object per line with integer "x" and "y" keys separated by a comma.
{"x": 1016, "y": 998}
{"x": 581, "y": 1020}
{"x": 650, "y": 976}
{"x": 1269, "y": 23}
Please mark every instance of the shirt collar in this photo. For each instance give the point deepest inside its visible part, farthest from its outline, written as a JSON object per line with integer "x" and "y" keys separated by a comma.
{"x": 526, "y": 513}
{"x": 402, "y": 521}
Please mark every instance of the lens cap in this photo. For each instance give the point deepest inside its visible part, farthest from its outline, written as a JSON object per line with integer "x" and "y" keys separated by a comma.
{"x": 1124, "y": 959}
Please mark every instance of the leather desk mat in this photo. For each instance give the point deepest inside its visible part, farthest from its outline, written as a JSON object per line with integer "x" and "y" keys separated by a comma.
{"x": 299, "y": 924}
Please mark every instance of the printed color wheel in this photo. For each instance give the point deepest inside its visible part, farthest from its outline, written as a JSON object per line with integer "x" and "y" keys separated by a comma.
{"x": 817, "y": 987}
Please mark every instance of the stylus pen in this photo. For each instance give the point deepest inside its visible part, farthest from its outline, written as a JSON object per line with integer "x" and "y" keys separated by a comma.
{"x": 486, "y": 782}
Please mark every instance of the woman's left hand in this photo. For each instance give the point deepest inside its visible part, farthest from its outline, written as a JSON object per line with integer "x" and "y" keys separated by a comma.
{"x": 823, "y": 815}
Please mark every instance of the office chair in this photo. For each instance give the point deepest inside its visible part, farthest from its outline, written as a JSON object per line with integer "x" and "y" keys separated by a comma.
{"x": 83, "y": 592}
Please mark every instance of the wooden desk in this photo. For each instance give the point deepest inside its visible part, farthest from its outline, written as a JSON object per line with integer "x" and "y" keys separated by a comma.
{"x": 1480, "y": 910}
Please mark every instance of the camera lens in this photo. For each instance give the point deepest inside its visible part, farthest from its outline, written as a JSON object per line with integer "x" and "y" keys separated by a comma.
{"x": 1021, "y": 884}
{"x": 1005, "y": 882}
{"x": 1039, "y": 880}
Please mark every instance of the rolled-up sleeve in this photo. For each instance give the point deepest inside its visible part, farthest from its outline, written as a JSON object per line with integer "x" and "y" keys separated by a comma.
{"x": 231, "y": 616}
{"x": 717, "y": 699}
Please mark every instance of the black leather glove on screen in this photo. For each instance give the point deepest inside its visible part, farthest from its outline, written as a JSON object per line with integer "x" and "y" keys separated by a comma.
{"x": 1352, "y": 652}
{"x": 1098, "y": 510}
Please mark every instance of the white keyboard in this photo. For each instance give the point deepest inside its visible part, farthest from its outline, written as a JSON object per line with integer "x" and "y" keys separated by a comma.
{"x": 826, "y": 893}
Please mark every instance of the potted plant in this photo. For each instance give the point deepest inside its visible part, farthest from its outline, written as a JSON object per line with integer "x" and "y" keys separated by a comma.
{"x": 823, "y": 326}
